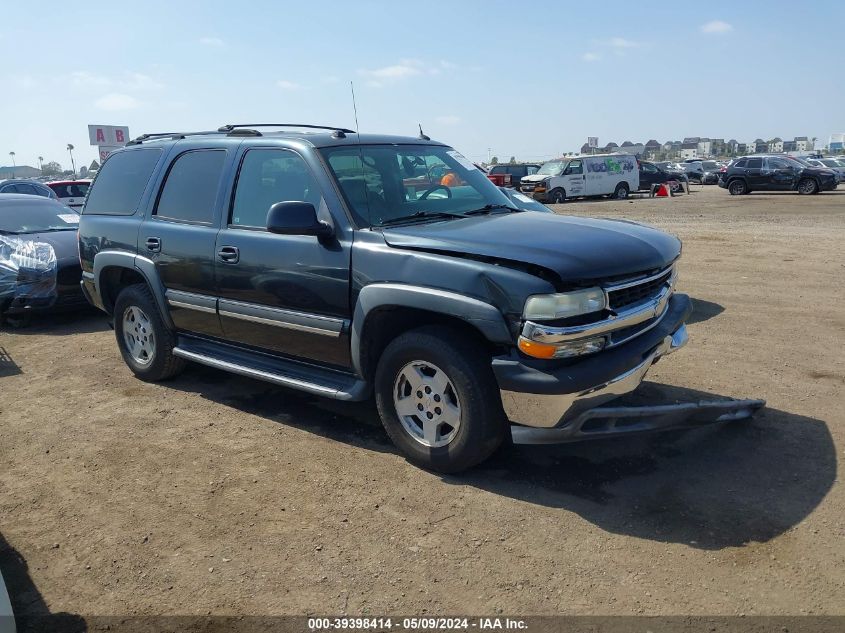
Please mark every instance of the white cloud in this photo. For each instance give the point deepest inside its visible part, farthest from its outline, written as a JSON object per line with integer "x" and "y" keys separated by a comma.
{"x": 116, "y": 102}
{"x": 621, "y": 42}
{"x": 394, "y": 72}
{"x": 591, "y": 57}
{"x": 448, "y": 119}
{"x": 138, "y": 81}
{"x": 716, "y": 26}
{"x": 288, "y": 85}
{"x": 215, "y": 42}
{"x": 84, "y": 79}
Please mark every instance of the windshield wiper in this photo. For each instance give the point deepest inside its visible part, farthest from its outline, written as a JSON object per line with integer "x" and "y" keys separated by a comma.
{"x": 422, "y": 215}
{"x": 488, "y": 208}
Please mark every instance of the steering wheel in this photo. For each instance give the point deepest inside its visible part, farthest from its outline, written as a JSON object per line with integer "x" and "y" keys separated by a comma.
{"x": 424, "y": 196}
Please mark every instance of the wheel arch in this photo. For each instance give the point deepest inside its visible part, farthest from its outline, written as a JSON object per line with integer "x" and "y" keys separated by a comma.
{"x": 114, "y": 271}
{"x": 384, "y": 311}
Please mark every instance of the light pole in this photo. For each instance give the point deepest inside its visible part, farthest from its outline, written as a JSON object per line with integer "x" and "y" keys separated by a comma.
{"x": 41, "y": 163}
{"x": 12, "y": 154}
{"x": 72, "y": 164}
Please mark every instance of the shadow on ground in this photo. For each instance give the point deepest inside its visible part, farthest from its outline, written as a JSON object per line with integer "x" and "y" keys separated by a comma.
{"x": 709, "y": 488}
{"x": 30, "y": 610}
{"x": 704, "y": 310}
{"x": 81, "y": 321}
{"x": 8, "y": 367}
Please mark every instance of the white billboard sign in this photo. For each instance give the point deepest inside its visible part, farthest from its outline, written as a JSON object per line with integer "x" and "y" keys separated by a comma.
{"x": 592, "y": 141}
{"x": 105, "y": 150}
{"x": 108, "y": 135}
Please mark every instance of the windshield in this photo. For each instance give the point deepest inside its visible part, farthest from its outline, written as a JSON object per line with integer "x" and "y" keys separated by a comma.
{"x": 30, "y": 218}
{"x": 552, "y": 168}
{"x": 800, "y": 161}
{"x": 382, "y": 183}
{"x": 831, "y": 163}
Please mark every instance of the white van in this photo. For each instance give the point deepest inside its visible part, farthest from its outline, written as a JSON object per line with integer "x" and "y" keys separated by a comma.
{"x": 597, "y": 175}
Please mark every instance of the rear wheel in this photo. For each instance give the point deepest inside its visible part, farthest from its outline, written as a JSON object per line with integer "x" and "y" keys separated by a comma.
{"x": 145, "y": 342}
{"x": 808, "y": 186}
{"x": 737, "y": 187}
{"x": 557, "y": 196}
{"x": 438, "y": 399}
{"x": 621, "y": 192}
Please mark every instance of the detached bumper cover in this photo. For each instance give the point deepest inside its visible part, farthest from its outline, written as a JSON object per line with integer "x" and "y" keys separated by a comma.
{"x": 547, "y": 399}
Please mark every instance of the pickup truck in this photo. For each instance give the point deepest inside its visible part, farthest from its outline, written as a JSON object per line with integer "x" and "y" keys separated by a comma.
{"x": 302, "y": 258}
{"x": 510, "y": 174}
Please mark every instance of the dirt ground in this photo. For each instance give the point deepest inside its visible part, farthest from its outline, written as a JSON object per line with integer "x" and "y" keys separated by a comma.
{"x": 217, "y": 494}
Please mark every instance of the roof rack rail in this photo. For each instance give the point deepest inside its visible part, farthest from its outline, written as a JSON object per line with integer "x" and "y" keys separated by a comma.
{"x": 231, "y": 126}
{"x": 152, "y": 136}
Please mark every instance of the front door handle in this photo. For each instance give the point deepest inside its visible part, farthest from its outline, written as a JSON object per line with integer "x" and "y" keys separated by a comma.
{"x": 229, "y": 254}
{"x": 154, "y": 244}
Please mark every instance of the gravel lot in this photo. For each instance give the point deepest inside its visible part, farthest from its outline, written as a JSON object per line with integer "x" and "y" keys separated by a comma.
{"x": 217, "y": 494}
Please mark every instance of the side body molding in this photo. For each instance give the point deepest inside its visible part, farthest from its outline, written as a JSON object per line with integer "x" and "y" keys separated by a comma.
{"x": 124, "y": 259}
{"x": 485, "y": 317}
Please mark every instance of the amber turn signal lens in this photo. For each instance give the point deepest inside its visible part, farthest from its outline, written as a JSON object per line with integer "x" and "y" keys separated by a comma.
{"x": 537, "y": 350}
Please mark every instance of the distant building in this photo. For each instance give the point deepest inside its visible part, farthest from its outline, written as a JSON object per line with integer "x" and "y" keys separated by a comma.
{"x": 836, "y": 142}
{"x": 742, "y": 148}
{"x": 705, "y": 146}
{"x": 689, "y": 150}
{"x": 651, "y": 148}
{"x": 790, "y": 146}
{"x": 803, "y": 144}
{"x": 732, "y": 146}
{"x": 776, "y": 145}
{"x": 758, "y": 146}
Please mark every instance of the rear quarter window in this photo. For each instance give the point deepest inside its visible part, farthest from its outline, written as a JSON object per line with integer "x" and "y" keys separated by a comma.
{"x": 121, "y": 181}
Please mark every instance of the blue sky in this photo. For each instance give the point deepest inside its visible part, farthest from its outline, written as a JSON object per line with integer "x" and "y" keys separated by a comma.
{"x": 526, "y": 79}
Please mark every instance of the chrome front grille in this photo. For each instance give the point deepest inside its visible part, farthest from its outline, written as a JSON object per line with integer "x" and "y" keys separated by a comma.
{"x": 627, "y": 294}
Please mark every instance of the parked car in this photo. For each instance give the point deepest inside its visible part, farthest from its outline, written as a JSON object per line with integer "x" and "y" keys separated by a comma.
{"x": 523, "y": 202}
{"x": 300, "y": 259}
{"x": 509, "y": 175}
{"x": 711, "y": 170}
{"x": 609, "y": 175}
{"x": 776, "y": 173}
{"x": 39, "y": 257}
{"x": 694, "y": 170}
{"x": 71, "y": 192}
{"x": 836, "y": 165}
{"x": 27, "y": 187}
{"x": 651, "y": 174}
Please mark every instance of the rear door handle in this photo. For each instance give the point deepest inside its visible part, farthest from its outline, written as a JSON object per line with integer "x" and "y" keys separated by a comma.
{"x": 154, "y": 244}
{"x": 229, "y": 254}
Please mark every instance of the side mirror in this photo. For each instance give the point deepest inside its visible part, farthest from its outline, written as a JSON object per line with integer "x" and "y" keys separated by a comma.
{"x": 297, "y": 218}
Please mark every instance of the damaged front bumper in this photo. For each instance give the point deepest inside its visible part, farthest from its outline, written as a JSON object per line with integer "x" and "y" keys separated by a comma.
{"x": 564, "y": 404}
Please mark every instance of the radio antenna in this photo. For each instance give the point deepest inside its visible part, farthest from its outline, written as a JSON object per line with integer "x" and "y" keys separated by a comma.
{"x": 355, "y": 110}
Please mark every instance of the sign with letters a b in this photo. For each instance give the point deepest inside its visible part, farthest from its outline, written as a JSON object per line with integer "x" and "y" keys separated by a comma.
{"x": 109, "y": 135}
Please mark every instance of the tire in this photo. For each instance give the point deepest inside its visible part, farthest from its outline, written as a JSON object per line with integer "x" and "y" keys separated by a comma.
{"x": 737, "y": 187}
{"x": 557, "y": 196}
{"x": 136, "y": 317}
{"x": 621, "y": 192}
{"x": 425, "y": 369}
{"x": 808, "y": 186}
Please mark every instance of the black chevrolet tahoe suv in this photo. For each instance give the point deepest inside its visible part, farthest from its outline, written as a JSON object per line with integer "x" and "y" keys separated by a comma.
{"x": 340, "y": 265}
{"x": 775, "y": 173}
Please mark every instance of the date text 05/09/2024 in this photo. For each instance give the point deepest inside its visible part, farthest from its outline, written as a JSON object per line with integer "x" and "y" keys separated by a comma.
{"x": 415, "y": 624}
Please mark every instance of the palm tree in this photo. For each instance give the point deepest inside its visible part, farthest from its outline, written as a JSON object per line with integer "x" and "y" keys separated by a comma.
{"x": 12, "y": 154}
{"x": 40, "y": 162}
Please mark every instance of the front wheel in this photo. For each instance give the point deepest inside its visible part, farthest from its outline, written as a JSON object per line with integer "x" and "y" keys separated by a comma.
{"x": 557, "y": 196}
{"x": 737, "y": 187}
{"x": 438, "y": 399}
{"x": 808, "y": 186}
{"x": 145, "y": 342}
{"x": 621, "y": 192}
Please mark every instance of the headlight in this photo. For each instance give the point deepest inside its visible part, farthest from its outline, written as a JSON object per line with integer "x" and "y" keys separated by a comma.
{"x": 565, "y": 304}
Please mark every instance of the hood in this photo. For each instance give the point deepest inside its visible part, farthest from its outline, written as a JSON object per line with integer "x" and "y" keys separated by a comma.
{"x": 535, "y": 178}
{"x": 819, "y": 171}
{"x": 577, "y": 249}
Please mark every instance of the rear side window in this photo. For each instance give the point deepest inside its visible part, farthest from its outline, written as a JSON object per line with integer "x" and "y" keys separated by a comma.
{"x": 121, "y": 181}
{"x": 755, "y": 163}
{"x": 190, "y": 189}
{"x": 499, "y": 169}
{"x": 742, "y": 162}
{"x": 23, "y": 187}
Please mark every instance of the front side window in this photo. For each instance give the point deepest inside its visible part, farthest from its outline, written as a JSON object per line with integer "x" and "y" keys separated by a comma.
{"x": 575, "y": 167}
{"x": 384, "y": 183}
{"x": 190, "y": 190}
{"x": 649, "y": 168}
{"x": 268, "y": 176}
{"x": 121, "y": 181}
